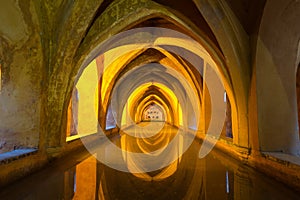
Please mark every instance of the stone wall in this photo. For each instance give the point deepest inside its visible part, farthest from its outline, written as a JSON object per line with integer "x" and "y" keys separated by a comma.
{"x": 21, "y": 61}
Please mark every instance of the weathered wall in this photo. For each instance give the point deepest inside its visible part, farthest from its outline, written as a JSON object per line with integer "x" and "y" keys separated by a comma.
{"x": 275, "y": 73}
{"x": 20, "y": 58}
{"x": 33, "y": 61}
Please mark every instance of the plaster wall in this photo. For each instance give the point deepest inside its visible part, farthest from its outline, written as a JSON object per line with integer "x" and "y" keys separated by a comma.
{"x": 21, "y": 61}
{"x": 275, "y": 73}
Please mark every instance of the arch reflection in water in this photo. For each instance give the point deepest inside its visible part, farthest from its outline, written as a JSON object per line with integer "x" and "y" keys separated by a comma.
{"x": 216, "y": 176}
{"x": 213, "y": 177}
{"x": 156, "y": 146}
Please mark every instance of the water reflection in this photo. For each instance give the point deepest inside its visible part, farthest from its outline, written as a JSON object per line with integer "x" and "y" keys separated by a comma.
{"x": 140, "y": 150}
{"x": 158, "y": 146}
{"x": 216, "y": 176}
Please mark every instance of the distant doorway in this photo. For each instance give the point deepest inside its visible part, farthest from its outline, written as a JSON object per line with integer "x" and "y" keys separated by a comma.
{"x": 153, "y": 113}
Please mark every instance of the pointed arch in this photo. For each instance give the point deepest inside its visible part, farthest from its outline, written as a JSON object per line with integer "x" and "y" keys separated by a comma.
{"x": 234, "y": 43}
{"x": 114, "y": 20}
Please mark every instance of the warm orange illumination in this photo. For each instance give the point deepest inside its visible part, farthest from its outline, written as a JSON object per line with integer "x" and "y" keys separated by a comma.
{"x": 87, "y": 87}
{"x": 124, "y": 116}
{"x": 115, "y": 60}
{"x": 153, "y": 112}
{"x": 156, "y": 146}
{"x": 86, "y": 184}
{"x": 136, "y": 95}
{"x": 167, "y": 111}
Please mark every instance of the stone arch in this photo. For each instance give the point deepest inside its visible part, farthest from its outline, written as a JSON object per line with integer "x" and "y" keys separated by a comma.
{"x": 233, "y": 41}
{"x": 144, "y": 9}
{"x": 138, "y": 62}
{"x": 159, "y": 99}
{"x": 62, "y": 26}
{"x": 142, "y": 78}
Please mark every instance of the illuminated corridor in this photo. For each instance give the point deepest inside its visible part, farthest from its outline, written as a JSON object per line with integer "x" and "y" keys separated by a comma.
{"x": 150, "y": 99}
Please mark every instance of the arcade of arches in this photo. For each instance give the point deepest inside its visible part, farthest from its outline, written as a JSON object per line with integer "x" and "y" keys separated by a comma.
{"x": 65, "y": 74}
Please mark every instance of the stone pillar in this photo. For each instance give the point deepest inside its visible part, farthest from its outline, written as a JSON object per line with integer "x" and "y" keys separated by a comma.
{"x": 206, "y": 109}
{"x": 101, "y": 110}
{"x": 213, "y": 93}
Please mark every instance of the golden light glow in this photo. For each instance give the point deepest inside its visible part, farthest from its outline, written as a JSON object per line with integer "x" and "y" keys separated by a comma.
{"x": 157, "y": 144}
{"x": 87, "y": 87}
{"x": 147, "y": 108}
{"x": 86, "y": 184}
{"x": 168, "y": 111}
{"x": 124, "y": 116}
{"x": 137, "y": 113}
{"x": 115, "y": 60}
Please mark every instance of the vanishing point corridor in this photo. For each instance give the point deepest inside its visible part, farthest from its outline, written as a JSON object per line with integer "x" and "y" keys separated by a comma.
{"x": 149, "y": 99}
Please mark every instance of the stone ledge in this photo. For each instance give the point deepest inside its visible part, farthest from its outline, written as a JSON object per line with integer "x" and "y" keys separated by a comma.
{"x": 15, "y": 154}
{"x": 225, "y": 145}
{"x": 283, "y": 158}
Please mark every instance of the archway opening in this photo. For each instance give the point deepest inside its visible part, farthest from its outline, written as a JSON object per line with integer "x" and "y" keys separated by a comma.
{"x": 208, "y": 53}
{"x": 154, "y": 113}
{"x": 227, "y": 129}
{"x": 110, "y": 119}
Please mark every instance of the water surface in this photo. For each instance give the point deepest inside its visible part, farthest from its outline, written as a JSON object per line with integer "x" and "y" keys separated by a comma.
{"x": 81, "y": 176}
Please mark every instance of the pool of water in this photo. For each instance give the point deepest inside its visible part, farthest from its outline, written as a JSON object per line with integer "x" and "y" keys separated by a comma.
{"x": 82, "y": 176}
